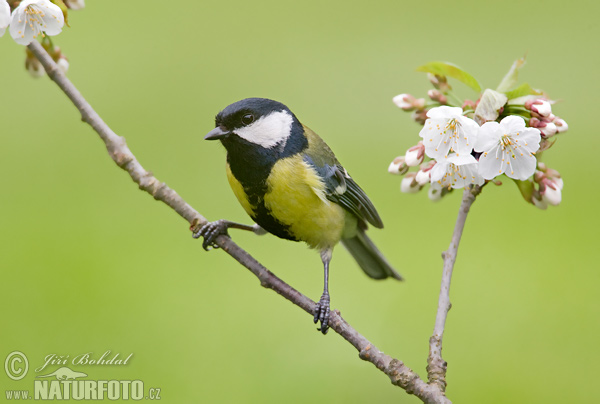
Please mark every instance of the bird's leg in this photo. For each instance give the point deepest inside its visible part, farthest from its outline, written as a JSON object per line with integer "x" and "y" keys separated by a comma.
{"x": 211, "y": 230}
{"x": 322, "y": 308}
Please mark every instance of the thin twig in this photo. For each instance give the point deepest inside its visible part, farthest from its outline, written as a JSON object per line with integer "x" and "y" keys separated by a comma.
{"x": 436, "y": 366}
{"x": 399, "y": 374}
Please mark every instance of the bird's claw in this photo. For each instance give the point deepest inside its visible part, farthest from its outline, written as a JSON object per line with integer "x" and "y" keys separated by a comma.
{"x": 210, "y": 231}
{"x": 322, "y": 313}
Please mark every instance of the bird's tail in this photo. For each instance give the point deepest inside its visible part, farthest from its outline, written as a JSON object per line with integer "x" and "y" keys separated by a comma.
{"x": 369, "y": 258}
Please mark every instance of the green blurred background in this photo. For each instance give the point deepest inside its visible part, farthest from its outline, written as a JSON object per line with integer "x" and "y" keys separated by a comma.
{"x": 89, "y": 263}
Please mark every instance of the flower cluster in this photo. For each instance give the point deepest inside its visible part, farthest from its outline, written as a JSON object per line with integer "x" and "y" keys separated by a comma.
{"x": 31, "y": 19}
{"x": 469, "y": 142}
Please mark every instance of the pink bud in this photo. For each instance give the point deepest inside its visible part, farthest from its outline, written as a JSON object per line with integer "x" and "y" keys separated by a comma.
{"x": 398, "y": 166}
{"x": 539, "y": 203}
{"x": 404, "y": 101}
{"x": 414, "y": 155}
{"x": 551, "y": 194}
{"x": 409, "y": 185}
{"x": 419, "y": 116}
{"x": 435, "y": 193}
{"x": 561, "y": 125}
{"x": 469, "y": 104}
{"x": 536, "y": 123}
{"x": 548, "y": 130}
{"x": 541, "y": 107}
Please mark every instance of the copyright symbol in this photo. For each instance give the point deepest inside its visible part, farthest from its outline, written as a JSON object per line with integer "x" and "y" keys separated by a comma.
{"x": 16, "y": 365}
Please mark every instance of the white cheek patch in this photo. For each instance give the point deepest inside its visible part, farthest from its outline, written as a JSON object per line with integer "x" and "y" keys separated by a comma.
{"x": 269, "y": 130}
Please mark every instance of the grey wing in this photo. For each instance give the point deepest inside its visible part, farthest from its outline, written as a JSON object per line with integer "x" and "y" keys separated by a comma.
{"x": 343, "y": 190}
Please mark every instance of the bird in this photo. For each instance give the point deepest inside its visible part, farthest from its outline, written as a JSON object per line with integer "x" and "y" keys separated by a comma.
{"x": 290, "y": 183}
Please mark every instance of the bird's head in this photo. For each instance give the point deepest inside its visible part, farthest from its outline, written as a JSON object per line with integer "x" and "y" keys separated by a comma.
{"x": 258, "y": 121}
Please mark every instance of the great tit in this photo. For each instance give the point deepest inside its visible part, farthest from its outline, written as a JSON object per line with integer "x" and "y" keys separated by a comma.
{"x": 291, "y": 184}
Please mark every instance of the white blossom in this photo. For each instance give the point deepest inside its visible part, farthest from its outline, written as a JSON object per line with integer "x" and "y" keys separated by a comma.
{"x": 447, "y": 130}
{"x": 456, "y": 171}
{"x": 507, "y": 147}
{"x": 33, "y": 18}
{"x": 4, "y": 16}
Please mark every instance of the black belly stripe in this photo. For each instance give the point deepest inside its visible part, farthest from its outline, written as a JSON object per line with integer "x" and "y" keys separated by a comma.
{"x": 251, "y": 165}
{"x": 245, "y": 168}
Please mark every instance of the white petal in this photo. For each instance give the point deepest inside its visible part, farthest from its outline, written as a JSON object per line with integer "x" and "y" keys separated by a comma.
{"x": 528, "y": 138}
{"x": 520, "y": 167}
{"x": 4, "y": 16}
{"x": 436, "y": 142}
{"x": 490, "y": 163}
{"x": 444, "y": 112}
{"x": 512, "y": 124}
{"x": 488, "y": 136}
{"x": 19, "y": 30}
{"x": 461, "y": 160}
{"x": 438, "y": 171}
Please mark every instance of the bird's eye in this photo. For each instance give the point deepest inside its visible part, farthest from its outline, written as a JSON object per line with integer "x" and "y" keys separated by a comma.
{"x": 247, "y": 119}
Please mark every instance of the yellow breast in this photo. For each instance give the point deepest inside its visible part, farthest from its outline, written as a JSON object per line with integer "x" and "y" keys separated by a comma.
{"x": 296, "y": 198}
{"x": 239, "y": 192}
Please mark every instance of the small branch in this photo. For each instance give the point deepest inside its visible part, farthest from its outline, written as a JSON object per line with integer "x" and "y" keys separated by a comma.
{"x": 399, "y": 374}
{"x": 436, "y": 366}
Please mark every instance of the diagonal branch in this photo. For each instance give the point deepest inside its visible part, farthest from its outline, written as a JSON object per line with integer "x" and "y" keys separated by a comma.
{"x": 399, "y": 374}
{"x": 436, "y": 366}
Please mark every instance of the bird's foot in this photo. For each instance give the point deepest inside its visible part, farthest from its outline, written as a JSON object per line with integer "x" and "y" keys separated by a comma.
{"x": 210, "y": 231}
{"x": 322, "y": 313}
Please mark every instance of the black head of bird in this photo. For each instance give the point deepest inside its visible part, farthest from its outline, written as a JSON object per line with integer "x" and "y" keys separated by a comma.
{"x": 291, "y": 184}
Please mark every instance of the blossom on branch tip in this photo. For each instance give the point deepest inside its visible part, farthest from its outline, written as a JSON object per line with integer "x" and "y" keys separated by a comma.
{"x": 35, "y": 17}
{"x": 447, "y": 130}
{"x": 507, "y": 147}
{"x": 4, "y": 16}
{"x": 456, "y": 172}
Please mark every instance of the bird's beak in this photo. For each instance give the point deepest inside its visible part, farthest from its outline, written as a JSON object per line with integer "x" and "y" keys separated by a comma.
{"x": 216, "y": 133}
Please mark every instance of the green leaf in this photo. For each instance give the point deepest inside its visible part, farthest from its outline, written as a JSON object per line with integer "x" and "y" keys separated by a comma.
{"x": 489, "y": 104}
{"x": 526, "y": 187}
{"x": 522, "y": 90}
{"x": 510, "y": 80}
{"x": 450, "y": 70}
